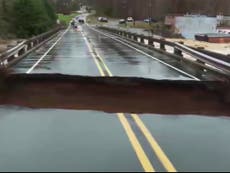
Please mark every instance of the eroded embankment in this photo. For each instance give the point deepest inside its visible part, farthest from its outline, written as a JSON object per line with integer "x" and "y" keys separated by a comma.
{"x": 128, "y": 95}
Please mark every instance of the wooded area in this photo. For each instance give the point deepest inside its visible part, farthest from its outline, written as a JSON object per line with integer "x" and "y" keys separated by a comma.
{"x": 140, "y": 9}
{"x": 65, "y": 6}
{"x": 25, "y": 18}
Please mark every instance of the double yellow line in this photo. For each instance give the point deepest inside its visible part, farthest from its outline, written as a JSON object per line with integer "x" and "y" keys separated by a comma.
{"x": 141, "y": 155}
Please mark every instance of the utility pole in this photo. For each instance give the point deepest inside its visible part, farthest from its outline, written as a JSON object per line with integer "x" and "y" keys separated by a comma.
{"x": 150, "y": 17}
{"x": 150, "y": 9}
{"x": 124, "y": 10}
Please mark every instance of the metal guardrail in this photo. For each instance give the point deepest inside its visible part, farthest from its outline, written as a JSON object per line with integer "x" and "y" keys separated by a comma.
{"x": 202, "y": 59}
{"x": 14, "y": 54}
{"x": 222, "y": 65}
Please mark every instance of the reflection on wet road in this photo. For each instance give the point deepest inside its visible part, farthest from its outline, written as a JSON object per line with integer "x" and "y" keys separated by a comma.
{"x": 64, "y": 140}
{"x": 69, "y": 56}
{"x": 123, "y": 61}
{"x": 193, "y": 143}
{"x": 59, "y": 140}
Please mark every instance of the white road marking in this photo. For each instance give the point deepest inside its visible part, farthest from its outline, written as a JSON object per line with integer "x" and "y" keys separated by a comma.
{"x": 142, "y": 52}
{"x": 46, "y": 53}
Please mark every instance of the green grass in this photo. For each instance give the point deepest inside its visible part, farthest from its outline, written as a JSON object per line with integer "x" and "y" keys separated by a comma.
{"x": 65, "y": 19}
{"x": 92, "y": 19}
{"x": 140, "y": 25}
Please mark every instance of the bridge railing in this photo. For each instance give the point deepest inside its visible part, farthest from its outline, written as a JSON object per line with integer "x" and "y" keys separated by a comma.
{"x": 219, "y": 62}
{"x": 16, "y": 53}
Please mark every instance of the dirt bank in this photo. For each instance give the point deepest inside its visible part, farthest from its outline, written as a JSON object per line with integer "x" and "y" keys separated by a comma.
{"x": 128, "y": 95}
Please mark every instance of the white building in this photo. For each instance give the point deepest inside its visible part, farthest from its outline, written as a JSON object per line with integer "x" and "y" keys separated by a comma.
{"x": 190, "y": 25}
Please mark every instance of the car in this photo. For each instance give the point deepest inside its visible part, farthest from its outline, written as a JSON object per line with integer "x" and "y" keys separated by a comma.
{"x": 102, "y": 19}
{"x": 130, "y": 19}
{"x": 99, "y": 19}
{"x": 122, "y": 21}
{"x": 149, "y": 20}
{"x": 81, "y": 21}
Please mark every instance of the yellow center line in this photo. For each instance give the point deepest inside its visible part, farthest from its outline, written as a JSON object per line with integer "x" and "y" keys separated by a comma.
{"x": 145, "y": 162}
{"x": 99, "y": 67}
{"x": 93, "y": 55}
{"x": 141, "y": 155}
{"x": 107, "y": 69}
{"x": 155, "y": 146}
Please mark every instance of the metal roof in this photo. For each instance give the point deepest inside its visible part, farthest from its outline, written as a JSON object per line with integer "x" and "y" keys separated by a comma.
{"x": 214, "y": 35}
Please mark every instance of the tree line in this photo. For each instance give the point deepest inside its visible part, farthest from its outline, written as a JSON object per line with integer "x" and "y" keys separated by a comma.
{"x": 140, "y": 9}
{"x": 65, "y": 6}
{"x": 26, "y": 18}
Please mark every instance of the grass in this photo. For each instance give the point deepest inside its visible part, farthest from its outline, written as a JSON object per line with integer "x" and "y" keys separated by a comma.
{"x": 92, "y": 19}
{"x": 140, "y": 24}
{"x": 65, "y": 19}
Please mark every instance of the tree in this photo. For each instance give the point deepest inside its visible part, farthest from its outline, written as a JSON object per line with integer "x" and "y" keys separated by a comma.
{"x": 50, "y": 12}
{"x": 6, "y": 18}
{"x": 32, "y": 17}
{"x": 67, "y": 6}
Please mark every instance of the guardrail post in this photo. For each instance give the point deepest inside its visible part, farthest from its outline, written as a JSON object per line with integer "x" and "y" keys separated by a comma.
{"x": 135, "y": 38}
{"x": 142, "y": 39}
{"x": 25, "y": 48}
{"x": 37, "y": 41}
{"x": 123, "y": 34}
{"x": 177, "y": 52}
{"x": 16, "y": 55}
{"x": 151, "y": 42}
{"x": 21, "y": 52}
{"x": 32, "y": 44}
{"x": 129, "y": 35}
{"x": 162, "y": 46}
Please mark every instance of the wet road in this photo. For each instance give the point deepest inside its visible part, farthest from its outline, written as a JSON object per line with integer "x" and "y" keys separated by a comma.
{"x": 69, "y": 56}
{"x": 63, "y": 140}
{"x": 124, "y": 61}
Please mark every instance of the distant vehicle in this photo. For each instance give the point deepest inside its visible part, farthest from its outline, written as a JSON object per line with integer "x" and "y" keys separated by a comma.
{"x": 73, "y": 23}
{"x": 149, "y": 20}
{"x": 130, "y": 19}
{"x": 122, "y": 21}
{"x": 75, "y": 26}
{"x": 102, "y": 19}
{"x": 82, "y": 21}
{"x": 99, "y": 19}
